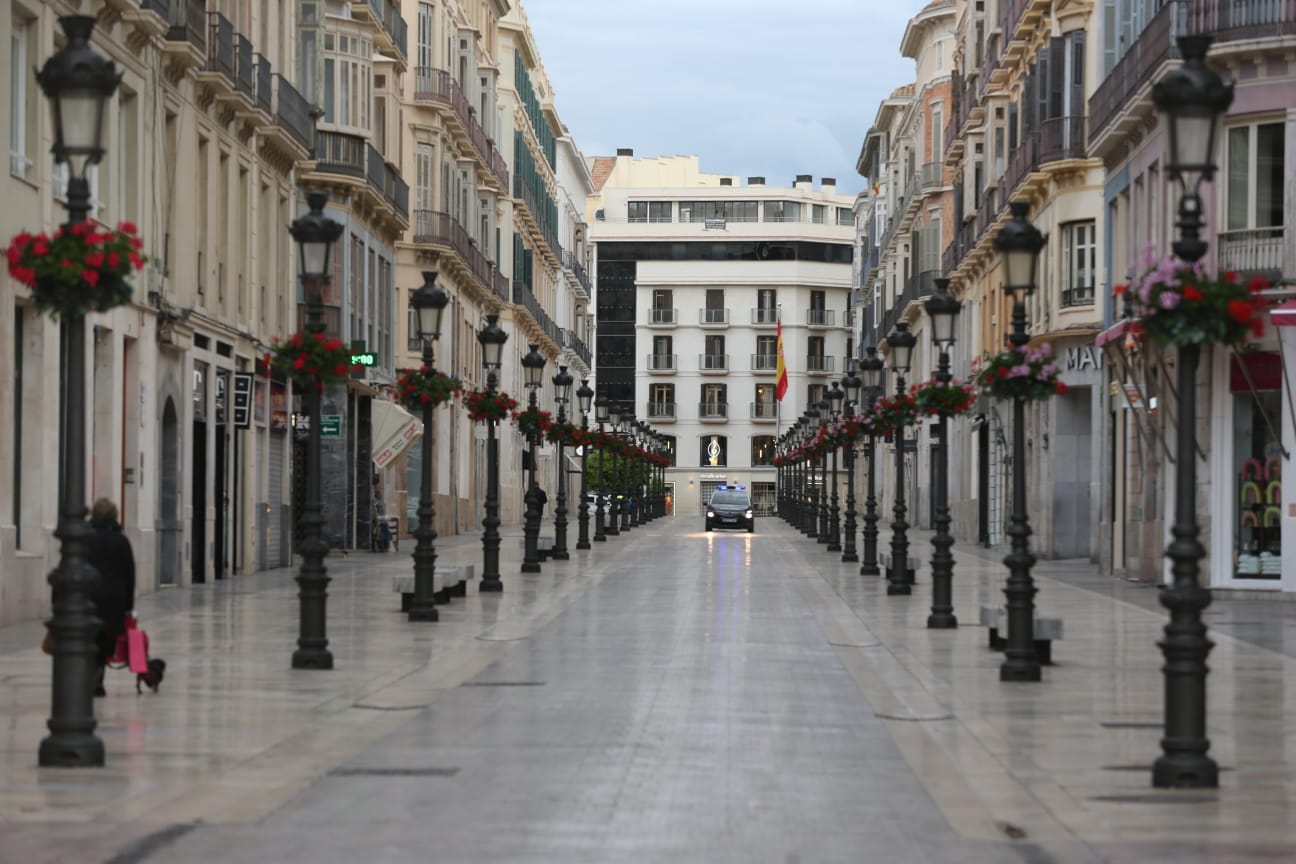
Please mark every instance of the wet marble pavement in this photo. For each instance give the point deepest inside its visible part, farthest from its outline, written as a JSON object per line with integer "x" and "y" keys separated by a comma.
{"x": 669, "y": 695}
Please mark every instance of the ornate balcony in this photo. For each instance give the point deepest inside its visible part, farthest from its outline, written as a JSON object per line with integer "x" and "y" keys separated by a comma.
{"x": 438, "y": 85}
{"x": 433, "y": 228}
{"x": 1255, "y": 252}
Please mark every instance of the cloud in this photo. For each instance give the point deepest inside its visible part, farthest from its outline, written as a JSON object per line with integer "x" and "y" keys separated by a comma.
{"x": 787, "y": 88}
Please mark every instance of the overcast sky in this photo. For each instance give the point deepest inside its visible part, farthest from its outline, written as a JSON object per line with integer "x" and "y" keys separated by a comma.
{"x": 753, "y": 87}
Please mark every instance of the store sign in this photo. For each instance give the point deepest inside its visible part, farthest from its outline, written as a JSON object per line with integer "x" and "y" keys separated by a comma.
{"x": 331, "y": 426}
{"x": 242, "y": 400}
{"x": 1083, "y": 357}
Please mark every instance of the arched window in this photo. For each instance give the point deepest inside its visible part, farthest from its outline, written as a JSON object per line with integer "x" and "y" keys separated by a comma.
{"x": 762, "y": 449}
{"x": 714, "y": 451}
{"x": 668, "y": 441}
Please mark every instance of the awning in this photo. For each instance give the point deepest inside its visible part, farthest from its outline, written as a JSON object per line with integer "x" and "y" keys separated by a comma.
{"x": 1284, "y": 314}
{"x": 393, "y": 430}
{"x": 1115, "y": 331}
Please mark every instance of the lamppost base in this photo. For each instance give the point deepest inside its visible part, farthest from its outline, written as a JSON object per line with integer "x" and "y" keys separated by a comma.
{"x": 1019, "y": 671}
{"x": 71, "y": 750}
{"x": 600, "y": 539}
{"x": 941, "y": 622}
{"x": 1185, "y": 771}
{"x": 850, "y": 558}
{"x": 560, "y": 556}
{"x": 530, "y": 568}
{"x": 312, "y": 658}
{"x": 834, "y": 547}
{"x": 580, "y": 545}
{"x": 424, "y": 613}
{"x": 490, "y": 586}
{"x": 870, "y": 570}
{"x": 901, "y": 590}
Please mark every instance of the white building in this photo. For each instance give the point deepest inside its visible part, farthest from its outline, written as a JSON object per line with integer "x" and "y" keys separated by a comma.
{"x": 694, "y": 272}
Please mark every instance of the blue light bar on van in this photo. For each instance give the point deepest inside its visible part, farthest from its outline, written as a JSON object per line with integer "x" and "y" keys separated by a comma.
{"x": 731, "y": 486}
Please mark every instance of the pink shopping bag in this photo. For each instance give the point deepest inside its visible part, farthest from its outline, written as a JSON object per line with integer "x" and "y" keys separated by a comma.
{"x": 137, "y": 650}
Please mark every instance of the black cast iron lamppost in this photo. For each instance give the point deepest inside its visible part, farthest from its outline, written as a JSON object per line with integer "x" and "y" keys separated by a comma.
{"x": 584, "y": 397}
{"x": 835, "y": 397}
{"x": 851, "y": 385}
{"x": 943, "y": 308}
{"x": 627, "y": 468}
{"x": 1019, "y": 243}
{"x": 562, "y": 392}
{"x": 315, "y": 235}
{"x": 1192, "y": 97}
{"x": 812, "y": 502}
{"x": 871, "y": 374}
{"x": 492, "y": 338}
{"x": 600, "y": 417}
{"x": 78, "y": 81}
{"x": 614, "y": 496}
{"x": 901, "y": 344}
{"x": 533, "y": 365}
{"x": 429, "y": 303}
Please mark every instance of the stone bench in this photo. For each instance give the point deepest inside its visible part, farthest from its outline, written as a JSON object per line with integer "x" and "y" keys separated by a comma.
{"x": 448, "y": 580}
{"x": 1045, "y": 629}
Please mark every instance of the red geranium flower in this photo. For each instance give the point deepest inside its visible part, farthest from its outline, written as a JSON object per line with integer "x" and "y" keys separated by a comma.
{"x": 1190, "y": 292}
{"x": 1241, "y": 310}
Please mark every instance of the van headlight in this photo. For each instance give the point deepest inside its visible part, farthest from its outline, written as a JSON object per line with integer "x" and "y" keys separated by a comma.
{"x": 748, "y": 514}
{"x": 710, "y": 514}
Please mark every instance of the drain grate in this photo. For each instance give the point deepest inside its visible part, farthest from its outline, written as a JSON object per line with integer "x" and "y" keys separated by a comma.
{"x": 1155, "y": 798}
{"x": 502, "y": 684}
{"x": 394, "y": 772}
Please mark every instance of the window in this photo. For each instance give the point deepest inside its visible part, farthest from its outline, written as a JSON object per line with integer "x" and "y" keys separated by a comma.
{"x": 21, "y": 101}
{"x": 815, "y": 359}
{"x": 1254, "y": 216}
{"x": 663, "y": 356}
{"x": 1079, "y": 244}
{"x": 782, "y": 211}
{"x": 715, "y": 357}
{"x": 424, "y": 159}
{"x": 715, "y": 403}
{"x": 715, "y": 311}
{"x": 766, "y": 358}
{"x": 815, "y": 393}
{"x": 668, "y": 445}
{"x": 766, "y": 406}
{"x": 1257, "y": 471}
{"x": 762, "y": 449}
{"x": 348, "y": 82}
{"x": 728, "y": 211}
{"x": 845, "y": 216}
{"x": 766, "y": 306}
{"x": 637, "y": 211}
{"x": 659, "y": 211}
{"x": 817, "y": 213}
{"x": 714, "y": 451}
{"x": 425, "y": 12}
{"x": 937, "y": 133}
{"x": 661, "y": 400}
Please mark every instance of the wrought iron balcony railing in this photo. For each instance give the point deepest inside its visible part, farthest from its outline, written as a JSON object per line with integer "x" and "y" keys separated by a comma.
{"x": 435, "y": 227}
{"x": 713, "y": 410}
{"x": 764, "y": 362}
{"x": 663, "y": 316}
{"x": 293, "y": 112}
{"x": 661, "y": 410}
{"x": 821, "y": 317}
{"x": 713, "y": 316}
{"x": 438, "y": 85}
{"x": 713, "y": 362}
{"x": 662, "y": 362}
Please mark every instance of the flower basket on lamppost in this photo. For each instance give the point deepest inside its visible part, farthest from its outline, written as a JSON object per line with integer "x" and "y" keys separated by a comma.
{"x": 1021, "y": 375}
{"x": 532, "y": 423}
{"x": 562, "y": 393}
{"x": 1192, "y": 98}
{"x": 942, "y": 398}
{"x": 429, "y": 302}
{"x": 490, "y": 407}
{"x": 851, "y": 385}
{"x": 80, "y": 268}
{"x": 314, "y": 234}
{"x": 78, "y": 82}
{"x": 893, "y": 415}
{"x": 584, "y": 399}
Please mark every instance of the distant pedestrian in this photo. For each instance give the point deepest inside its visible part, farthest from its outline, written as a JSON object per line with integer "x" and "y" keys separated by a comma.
{"x": 109, "y": 552}
{"x": 541, "y": 498}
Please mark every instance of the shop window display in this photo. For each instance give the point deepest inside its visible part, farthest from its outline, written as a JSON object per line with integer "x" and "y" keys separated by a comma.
{"x": 1257, "y": 466}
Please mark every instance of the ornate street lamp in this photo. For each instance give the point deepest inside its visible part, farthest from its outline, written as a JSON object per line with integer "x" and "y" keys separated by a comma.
{"x": 601, "y": 407}
{"x": 1192, "y": 97}
{"x": 943, "y": 308}
{"x": 901, "y": 344}
{"x": 584, "y": 398}
{"x": 851, "y": 385}
{"x": 315, "y": 234}
{"x": 1019, "y": 242}
{"x": 429, "y": 304}
{"x": 533, "y": 366}
{"x": 78, "y": 82}
{"x": 628, "y": 507}
{"x": 562, "y": 393}
{"x": 871, "y": 369}
{"x": 492, "y": 338}
{"x": 812, "y": 496}
{"x": 614, "y": 495}
{"x": 835, "y": 397}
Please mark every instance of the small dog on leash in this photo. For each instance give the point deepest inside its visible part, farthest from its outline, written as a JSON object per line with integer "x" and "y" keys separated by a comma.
{"x": 153, "y": 677}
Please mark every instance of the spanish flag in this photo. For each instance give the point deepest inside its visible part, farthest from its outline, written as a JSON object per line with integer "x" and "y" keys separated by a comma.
{"x": 780, "y": 389}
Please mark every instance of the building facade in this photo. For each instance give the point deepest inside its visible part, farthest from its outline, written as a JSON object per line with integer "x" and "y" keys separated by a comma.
{"x": 694, "y": 273}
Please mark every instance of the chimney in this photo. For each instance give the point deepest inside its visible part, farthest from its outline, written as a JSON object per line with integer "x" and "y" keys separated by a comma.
{"x": 726, "y": 181}
{"x": 828, "y": 184}
{"x": 804, "y": 181}
{"x": 625, "y": 151}
{"x": 755, "y": 181}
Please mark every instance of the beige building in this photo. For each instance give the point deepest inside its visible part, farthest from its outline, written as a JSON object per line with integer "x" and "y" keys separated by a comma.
{"x": 201, "y": 142}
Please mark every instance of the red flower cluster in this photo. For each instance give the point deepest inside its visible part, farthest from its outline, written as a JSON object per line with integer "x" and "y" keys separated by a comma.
{"x": 488, "y": 405}
{"x": 77, "y": 269}
{"x": 424, "y": 386}
{"x": 312, "y": 360}
{"x": 533, "y": 422}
